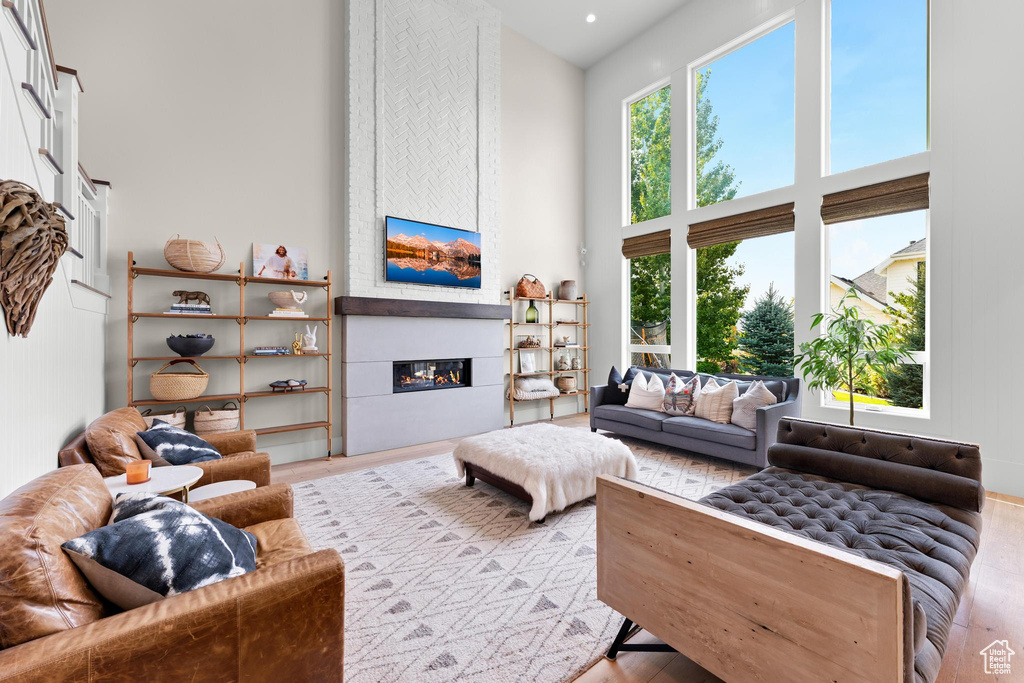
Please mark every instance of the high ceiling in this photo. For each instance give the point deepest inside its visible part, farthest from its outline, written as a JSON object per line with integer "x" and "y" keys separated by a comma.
{"x": 561, "y": 25}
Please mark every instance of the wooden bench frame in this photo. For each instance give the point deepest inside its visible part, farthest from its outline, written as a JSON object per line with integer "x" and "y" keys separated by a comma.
{"x": 744, "y": 600}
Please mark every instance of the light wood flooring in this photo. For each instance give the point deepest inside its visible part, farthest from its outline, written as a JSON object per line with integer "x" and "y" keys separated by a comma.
{"x": 992, "y": 608}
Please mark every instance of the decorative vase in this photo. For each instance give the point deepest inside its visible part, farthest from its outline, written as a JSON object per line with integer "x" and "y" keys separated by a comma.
{"x": 567, "y": 290}
{"x": 563, "y": 362}
{"x": 531, "y": 313}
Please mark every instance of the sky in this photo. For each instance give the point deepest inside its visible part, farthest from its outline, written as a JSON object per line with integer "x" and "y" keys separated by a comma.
{"x": 879, "y": 112}
{"x": 434, "y": 233}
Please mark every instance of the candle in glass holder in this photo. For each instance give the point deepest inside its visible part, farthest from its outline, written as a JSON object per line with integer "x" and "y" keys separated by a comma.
{"x": 137, "y": 471}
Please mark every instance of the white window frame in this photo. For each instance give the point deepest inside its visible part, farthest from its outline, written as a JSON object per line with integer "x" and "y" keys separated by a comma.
{"x": 922, "y": 358}
{"x": 644, "y": 227}
{"x": 627, "y": 128}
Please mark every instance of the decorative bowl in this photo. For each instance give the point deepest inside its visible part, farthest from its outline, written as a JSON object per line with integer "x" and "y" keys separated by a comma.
{"x": 191, "y": 345}
{"x": 288, "y": 299}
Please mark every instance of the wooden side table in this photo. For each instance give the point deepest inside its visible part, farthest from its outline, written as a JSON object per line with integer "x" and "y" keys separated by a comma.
{"x": 162, "y": 480}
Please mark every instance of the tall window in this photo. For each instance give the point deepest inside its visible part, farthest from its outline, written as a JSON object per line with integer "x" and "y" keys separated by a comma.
{"x": 879, "y": 79}
{"x": 650, "y": 310}
{"x": 745, "y": 144}
{"x": 745, "y": 120}
{"x": 745, "y": 306}
{"x": 884, "y": 262}
{"x": 650, "y": 156}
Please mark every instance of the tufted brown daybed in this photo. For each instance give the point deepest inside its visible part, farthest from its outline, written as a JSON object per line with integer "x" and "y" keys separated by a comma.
{"x": 844, "y": 560}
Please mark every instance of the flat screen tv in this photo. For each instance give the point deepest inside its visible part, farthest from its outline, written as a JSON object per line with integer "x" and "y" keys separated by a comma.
{"x": 427, "y": 254}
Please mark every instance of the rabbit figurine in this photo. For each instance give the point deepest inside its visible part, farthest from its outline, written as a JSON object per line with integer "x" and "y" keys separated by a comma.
{"x": 309, "y": 340}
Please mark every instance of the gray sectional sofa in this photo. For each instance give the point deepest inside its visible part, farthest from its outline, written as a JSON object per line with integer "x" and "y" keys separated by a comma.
{"x": 695, "y": 434}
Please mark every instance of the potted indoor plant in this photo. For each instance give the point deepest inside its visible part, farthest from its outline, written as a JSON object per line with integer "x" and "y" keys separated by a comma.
{"x": 848, "y": 350}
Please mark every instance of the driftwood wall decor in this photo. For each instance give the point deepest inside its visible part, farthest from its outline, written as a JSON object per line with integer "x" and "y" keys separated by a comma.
{"x": 32, "y": 240}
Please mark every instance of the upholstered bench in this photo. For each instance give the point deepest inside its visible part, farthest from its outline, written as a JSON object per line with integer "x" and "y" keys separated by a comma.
{"x": 862, "y": 542}
{"x": 548, "y": 466}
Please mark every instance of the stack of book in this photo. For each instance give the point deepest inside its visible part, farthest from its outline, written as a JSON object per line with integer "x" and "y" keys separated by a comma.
{"x": 271, "y": 351}
{"x": 288, "y": 313}
{"x": 191, "y": 309}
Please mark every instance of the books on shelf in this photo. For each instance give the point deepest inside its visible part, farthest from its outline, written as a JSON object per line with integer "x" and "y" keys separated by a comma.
{"x": 288, "y": 313}
{"x": 191, "y": 309}
{"x": 271, "y": 351}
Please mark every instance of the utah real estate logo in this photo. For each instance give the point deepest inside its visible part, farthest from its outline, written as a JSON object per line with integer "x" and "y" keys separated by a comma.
{"x": 997, "y": 657}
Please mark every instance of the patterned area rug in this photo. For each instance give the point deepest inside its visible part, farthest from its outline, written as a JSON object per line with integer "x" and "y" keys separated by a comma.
{"x": 449, "y": 583}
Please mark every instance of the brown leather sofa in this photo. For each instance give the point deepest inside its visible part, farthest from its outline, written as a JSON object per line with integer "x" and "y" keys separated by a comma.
{"x": 284, "y": 621}
{"x": 115, "y": 431}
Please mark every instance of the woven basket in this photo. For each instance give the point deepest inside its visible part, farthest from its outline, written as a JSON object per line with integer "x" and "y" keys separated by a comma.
{"x": 530, "y": 289}
{"x": 178, "y": 386}
{"x": 194, "y": 256}
{"x": 208, "y": 421}
{"x": 566, "y": 383}
{"x": 175, "y": 419}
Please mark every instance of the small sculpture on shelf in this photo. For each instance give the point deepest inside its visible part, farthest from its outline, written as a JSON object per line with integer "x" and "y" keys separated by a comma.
{"x": 529, "y": 341}
{"x": 297, "y": 345}
{"x": 286, "y": 385}
{"x": 185, "y": 297}
{"x": 309, "y": 341}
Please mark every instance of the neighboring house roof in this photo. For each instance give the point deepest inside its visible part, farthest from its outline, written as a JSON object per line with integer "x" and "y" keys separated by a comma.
{"x": 915, "y": 248}
{"x": 872, "y": 284}
{"x": 865, "y": 296}
{"x": 911, "y": 251}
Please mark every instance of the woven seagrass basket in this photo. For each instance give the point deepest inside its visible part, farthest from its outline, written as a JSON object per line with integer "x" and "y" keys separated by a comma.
{"x": 178, "y": 386}
{"x": 208, "y": 421}
{"x": 194, "y": 256}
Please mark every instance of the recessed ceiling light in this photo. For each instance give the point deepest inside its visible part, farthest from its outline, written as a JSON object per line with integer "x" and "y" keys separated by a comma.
{"x": 591, "y": 18}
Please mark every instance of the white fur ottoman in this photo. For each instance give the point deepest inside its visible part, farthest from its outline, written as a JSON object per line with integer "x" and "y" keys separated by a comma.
{"x": 546, "y": 465}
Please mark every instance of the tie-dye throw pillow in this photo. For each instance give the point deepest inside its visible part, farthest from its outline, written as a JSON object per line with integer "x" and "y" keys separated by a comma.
{"x": 156, "y": 548}
{"x": 679, "y": 395}
{"x": 177, "y": 446}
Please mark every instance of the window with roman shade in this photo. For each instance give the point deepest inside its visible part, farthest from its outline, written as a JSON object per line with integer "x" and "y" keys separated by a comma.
{"x": 650, "y": 244}
{"x": 743, "y": 226}
{"x": 881, "y": 199}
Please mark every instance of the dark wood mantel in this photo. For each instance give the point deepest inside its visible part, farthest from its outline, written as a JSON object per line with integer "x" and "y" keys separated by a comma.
{"x": 359, "y": 305}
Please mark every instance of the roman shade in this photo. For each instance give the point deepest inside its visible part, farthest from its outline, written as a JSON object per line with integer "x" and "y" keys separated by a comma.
{"x": 742, "y": 226}
{"x": 881, "y": 199}
{"x": 647, "y": 245}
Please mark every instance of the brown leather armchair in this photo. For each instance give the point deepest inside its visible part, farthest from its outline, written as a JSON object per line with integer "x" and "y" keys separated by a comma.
{"x": 284, "y": 621}
{"x": 240, "y": 460}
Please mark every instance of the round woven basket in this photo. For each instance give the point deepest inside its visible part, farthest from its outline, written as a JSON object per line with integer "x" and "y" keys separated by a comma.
{"x": 208, "y": 421}
{"x": 175, "y": 419}
{"x": 178, "y": 386}
{"x": 194, "y": 256}
{"x": 566, "y": 383}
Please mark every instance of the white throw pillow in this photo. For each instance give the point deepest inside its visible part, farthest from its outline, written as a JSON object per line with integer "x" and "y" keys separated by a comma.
{"x": 715, "y": 403}
{"x": 744, "y": 408}
{"x": 646, "y": 393}
{"x": 680, "y": 395}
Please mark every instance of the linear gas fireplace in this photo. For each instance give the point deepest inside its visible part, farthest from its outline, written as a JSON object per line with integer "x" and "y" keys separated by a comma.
{"x": 427, "y": 375}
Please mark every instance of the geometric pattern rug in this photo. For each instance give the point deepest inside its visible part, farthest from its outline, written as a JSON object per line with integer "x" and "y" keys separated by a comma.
{"x": 449, "y": 583}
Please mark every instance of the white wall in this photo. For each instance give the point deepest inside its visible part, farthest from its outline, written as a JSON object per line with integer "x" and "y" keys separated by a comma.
{"x": 975, "y": 235}
{"x": 241, "y": 136}
{"x": 51, "y": 383}
{"x": 542, "y": 178}
{"x": 213, "y": 119}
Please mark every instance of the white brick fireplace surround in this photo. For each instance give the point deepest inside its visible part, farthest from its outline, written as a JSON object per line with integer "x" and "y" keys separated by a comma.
{"x": 423, "y": 109}
{"x": 378, "y": 332}
{"x": 424, "y": 122}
